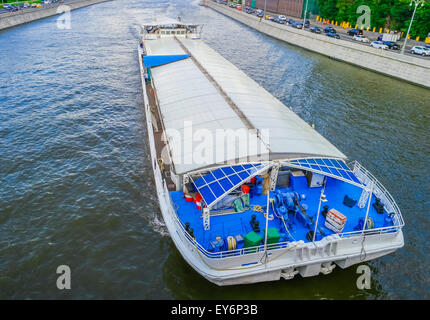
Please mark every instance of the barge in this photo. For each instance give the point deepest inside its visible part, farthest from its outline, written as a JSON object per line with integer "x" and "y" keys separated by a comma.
{"x": 249, "y": 191}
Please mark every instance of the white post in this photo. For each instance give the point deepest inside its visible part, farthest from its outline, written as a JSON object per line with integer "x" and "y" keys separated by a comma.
{"x": 417, "y": 2}
{"x": 304, "y": 16}
{"x": 264, "y": 10}
{"x": 318, "y": 215}
{"x": 267, "y": 222}
{"x": 272, "y": 186}
{"x": 368, "y": 208}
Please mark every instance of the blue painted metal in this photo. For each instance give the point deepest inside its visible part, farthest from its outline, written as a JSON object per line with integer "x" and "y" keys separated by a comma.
{"x": 159, "y": 60}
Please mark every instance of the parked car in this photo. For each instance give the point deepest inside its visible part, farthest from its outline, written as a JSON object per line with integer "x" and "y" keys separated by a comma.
{"x": 420, "y": 50}
{"x": 333, "y": 35}
{"x": 360, "y": 38}
{"x": 283, "y": 18}
{"x": 378, "y": 45}
{"x": 291, "y": 21}
{"x": 12, "y": 8}
{"x": 231, "y": 5}
{"x": 354, "y": 32}
{"x": 298, "y": 25}
{"x": 329, "y": 29}
{"x": 270, "y": 18}
{"x": 307, "y": 24}
{"x": 239, "y": 8}
{"x": 391, "y": 45}
{"x": 315, "y": 30}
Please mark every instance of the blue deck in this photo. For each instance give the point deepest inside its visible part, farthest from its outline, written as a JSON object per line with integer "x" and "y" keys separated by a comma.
{"x": 239, "y": 223}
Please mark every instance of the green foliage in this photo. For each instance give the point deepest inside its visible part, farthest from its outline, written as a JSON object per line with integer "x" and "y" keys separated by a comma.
{"x": 390, "y": 14}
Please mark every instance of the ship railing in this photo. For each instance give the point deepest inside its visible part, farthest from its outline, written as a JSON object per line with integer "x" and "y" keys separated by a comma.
{"x": 382, "y": 193}
{"x": 359, "y": 233}
{"x": 220, "y": 254}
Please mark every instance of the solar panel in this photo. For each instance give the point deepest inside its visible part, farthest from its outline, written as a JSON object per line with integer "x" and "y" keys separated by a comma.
{"x": 220, "y": 181}
{"x": 332, "y": 167}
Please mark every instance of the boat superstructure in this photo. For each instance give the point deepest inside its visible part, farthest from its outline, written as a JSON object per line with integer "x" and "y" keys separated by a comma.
{"x": 248, "y": 190}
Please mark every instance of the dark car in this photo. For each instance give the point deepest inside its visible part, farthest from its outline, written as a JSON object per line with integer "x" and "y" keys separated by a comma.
{"x": 315, "y": 30}
{"x": 329, "y": 29}
{"x": 307, "y": 24}
{"x": 333, "y": 35}
{"x": 354, "y": 32}
{"x": 298, "y": 25}
{"x": 12, "y": 8}
{"x": 391, "y": 45}
{"x": 291, "y": 21}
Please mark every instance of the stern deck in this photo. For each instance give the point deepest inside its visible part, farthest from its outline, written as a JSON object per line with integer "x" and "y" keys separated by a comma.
{"x": 234, "y": 224}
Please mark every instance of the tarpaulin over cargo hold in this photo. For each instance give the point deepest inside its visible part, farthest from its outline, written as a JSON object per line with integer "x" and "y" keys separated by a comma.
{"x": 159, "y": 60}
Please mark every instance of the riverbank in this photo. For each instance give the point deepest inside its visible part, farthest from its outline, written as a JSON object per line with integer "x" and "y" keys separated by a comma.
{"x": 407, "y": 68}
{"x": 13, "y": 19}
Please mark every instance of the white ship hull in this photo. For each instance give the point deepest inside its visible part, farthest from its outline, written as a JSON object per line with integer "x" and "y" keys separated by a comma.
{"x": 306, "y": 259}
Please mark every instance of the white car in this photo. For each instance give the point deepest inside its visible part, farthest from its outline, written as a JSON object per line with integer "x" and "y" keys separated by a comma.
{"x": 420, "y": 50}
{"x": 360, "y": 38}
{"x": 283, "y": 18}
{"x": 379, "y": 45}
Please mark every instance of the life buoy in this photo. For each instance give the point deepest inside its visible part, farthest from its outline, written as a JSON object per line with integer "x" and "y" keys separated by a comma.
{"x": 188, "y": 198}
{"x": 232, "y": 243}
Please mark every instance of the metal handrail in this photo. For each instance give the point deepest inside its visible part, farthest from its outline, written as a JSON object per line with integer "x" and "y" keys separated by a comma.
{"x": 357, "y": 167}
